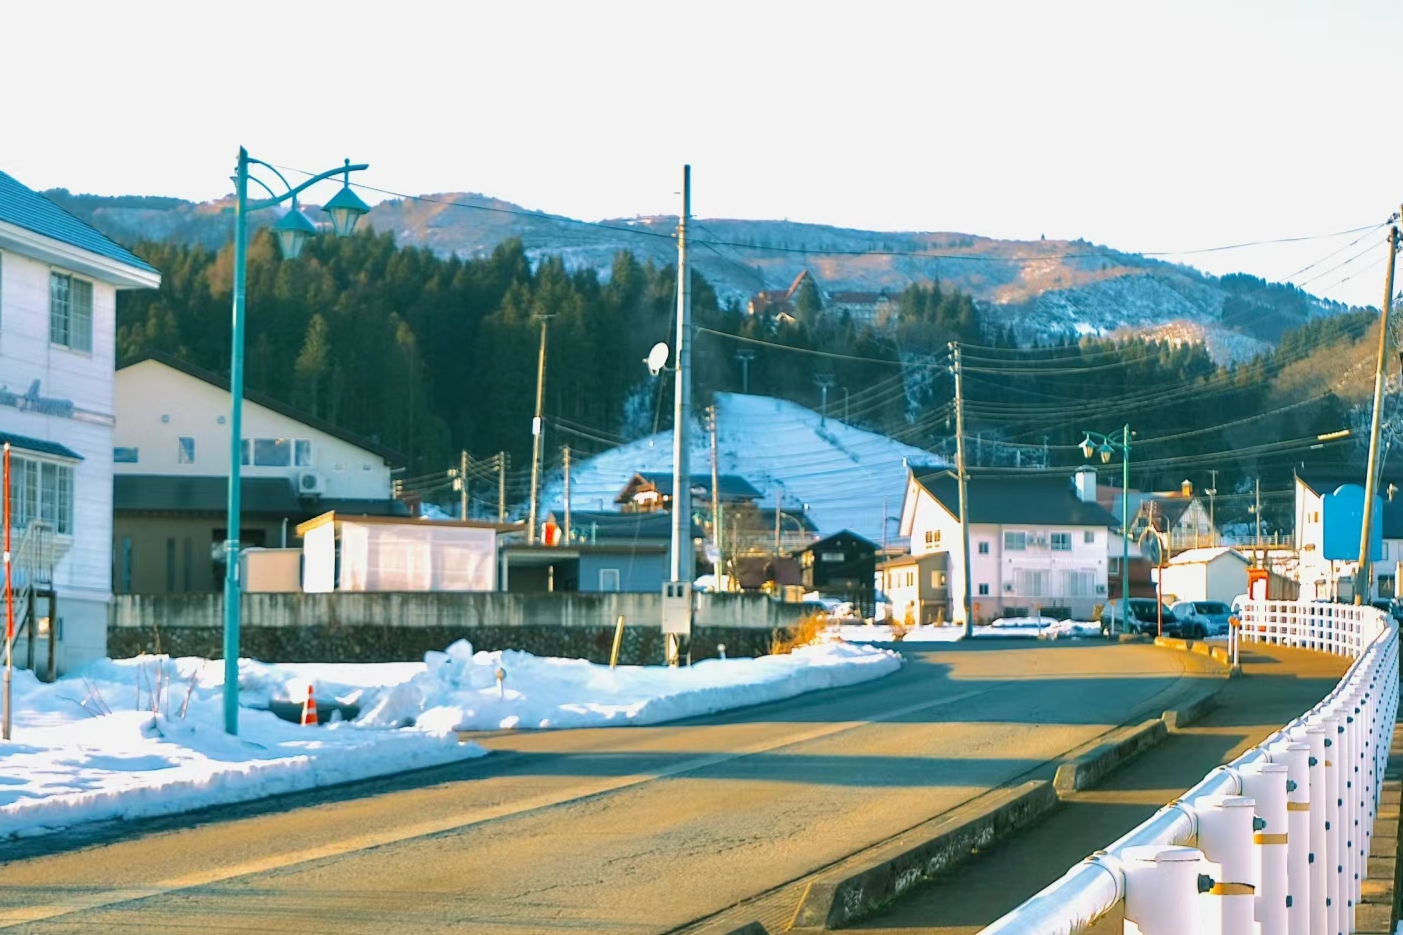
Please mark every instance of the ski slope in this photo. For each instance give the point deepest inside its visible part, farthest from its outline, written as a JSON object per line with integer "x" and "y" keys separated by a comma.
{"x": 843, "y": 474}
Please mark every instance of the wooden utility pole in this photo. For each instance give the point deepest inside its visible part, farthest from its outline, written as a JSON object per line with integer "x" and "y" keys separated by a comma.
{"x": 464, "y": 461}
{"x": 717, "y": 528}
{"x": 778, "y": 513}
{"x": 537, "y": 437}
{"x": 825, "y": 382}
{"x": 964, "y": 491}
{"x": 565, "y": 453}
{"x": 745, "y": 357}
{"x": 1257, "y": 487}
{"x": 1364, "y": 578}
{"x": 501, "y": 486}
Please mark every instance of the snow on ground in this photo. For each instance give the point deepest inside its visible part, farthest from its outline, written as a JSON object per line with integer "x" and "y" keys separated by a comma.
{"x": 89, "y": 747}
{"x": 781, "y": 448}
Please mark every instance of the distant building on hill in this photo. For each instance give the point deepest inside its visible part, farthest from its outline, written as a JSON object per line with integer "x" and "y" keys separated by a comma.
{"x": 864, "y": 309}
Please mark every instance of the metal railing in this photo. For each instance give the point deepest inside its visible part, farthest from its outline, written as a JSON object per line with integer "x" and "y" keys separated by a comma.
{"x": 1280, "y": 836}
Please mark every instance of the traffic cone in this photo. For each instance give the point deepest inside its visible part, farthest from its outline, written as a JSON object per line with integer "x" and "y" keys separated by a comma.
{"x": 309, "y": 709}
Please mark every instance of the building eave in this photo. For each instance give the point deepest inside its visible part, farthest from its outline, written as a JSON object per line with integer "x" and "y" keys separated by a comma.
{"x": 49, "y": 250}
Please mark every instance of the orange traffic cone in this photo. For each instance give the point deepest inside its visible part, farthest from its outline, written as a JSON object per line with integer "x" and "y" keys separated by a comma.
{"x": 309, "y": 709}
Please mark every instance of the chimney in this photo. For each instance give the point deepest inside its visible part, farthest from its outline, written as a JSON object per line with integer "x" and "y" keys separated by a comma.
{"x": 1186, "y": 487}
{"x": 1084, "y": 483}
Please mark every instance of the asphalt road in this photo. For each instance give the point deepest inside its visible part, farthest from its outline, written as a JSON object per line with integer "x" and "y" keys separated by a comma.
{"x": 632, "y": 830}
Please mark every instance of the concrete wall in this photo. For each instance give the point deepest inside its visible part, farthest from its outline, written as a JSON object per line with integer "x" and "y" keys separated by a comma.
{"x": 375, "y": 627}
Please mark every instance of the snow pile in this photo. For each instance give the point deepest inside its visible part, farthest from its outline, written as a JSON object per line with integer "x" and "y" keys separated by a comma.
{"x": 1070, "y": 629}
{"x": 780, "y": 447}
{"x": 90, "y": 748}
{"x": 458, "y": 689}
{"x": 1036, "y": 623}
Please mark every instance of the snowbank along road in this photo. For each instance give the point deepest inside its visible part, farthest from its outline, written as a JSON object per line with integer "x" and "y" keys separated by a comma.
{"x": 605, "y": 830}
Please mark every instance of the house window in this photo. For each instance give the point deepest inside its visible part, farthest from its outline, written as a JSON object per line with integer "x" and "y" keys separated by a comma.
{"x": 932, "y": 538}
{"x": 983, "y": 548}
{"x": 1061, "y": 542}
{"x": 1113, "y": 566}
{"x": 608, "y": 579}
{"x": 937, "y": 579}
{"x": 126, "y": 455}
{"x": 1077, "y": 583}
{"x": 41, "y": 490}
{"x": 983, "y": 589}
{"x": 1383, "y": 553}
{"x": 277, "y": 452}
{"x": 185, "y": 453}
{"x": 1015, "y": 541}
{"x": 1088, "y": 537}
{"x": 302, "y": 452}
{"x": 836, "y": 558}
{"x": 1030, "y": 582}
{"x": 1387, "y": 585}
{"x": 70, "y": 312}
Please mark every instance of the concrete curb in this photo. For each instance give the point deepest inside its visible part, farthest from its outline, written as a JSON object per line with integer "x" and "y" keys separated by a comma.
{"x": 844, "y": 895}
{"x": 1087, "y": 770}
{"x": 1178, "y": 718}
{"x": 1218, "y": 654}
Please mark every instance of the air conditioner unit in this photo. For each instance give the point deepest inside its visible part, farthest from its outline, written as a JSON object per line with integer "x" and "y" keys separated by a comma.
{"x": 1101, "y": 588}
{"x": 310, "y": 484}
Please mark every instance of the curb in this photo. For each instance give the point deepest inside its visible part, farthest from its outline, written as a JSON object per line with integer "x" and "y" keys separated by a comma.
{"x": 1177, "y": 719}
{"x": 1218, "y": 654}
{"x": 1087, "y": 770}
{"x": 840, "y": 897}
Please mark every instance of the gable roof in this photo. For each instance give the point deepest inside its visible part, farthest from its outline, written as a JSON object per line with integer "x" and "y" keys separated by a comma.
{"x": 602, "y": 525}
{"x": 39, "y": 446}
{"x": 267, "y": 402}
{"x": 23, "y": 207}
{"x": 1035, "y": 498}
{"x": 1204, "y": 556}
{"x": 848, "y": 534}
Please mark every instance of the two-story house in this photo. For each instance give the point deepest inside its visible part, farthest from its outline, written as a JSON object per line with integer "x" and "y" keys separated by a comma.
{"x": 1038, "y": 542}
{"x": 170, "y": 454}
{"x": 1328, "y": 513}
{"x": 59, "y": 280}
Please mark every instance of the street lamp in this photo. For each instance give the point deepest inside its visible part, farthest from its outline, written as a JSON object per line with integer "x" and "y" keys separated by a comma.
{"x": 292, "y": 231}
{"x": 1106, "y": 445}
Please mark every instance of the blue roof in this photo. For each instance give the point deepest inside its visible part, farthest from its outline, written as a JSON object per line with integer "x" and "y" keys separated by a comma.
{"x": 32, "y": 211}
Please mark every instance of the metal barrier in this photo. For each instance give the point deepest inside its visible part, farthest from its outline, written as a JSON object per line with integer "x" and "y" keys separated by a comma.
{"x": 1280, "y": 836}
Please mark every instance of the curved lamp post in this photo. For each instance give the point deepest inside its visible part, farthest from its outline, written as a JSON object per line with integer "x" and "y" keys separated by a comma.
{"x": 1106, "y": 445}
{"x": 292, "y": 231}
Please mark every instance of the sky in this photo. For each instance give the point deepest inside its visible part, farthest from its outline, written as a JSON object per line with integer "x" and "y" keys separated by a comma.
{"x": 1148, "y": 127}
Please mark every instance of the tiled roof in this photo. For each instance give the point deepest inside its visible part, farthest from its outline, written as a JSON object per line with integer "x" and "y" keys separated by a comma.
{"x": 607, "y": 526}
{"x": 1033, "y": 499}
{"x": 39, "y": 446}
{"x": 733, "y": 486}
{"x": 25, "y": 208}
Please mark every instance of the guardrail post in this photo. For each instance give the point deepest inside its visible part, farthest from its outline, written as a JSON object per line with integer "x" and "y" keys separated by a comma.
{"x": 1334, "y": 871}
{"x": 1266, "y": 782}
{"x": 1225, "y": 837}
{"x": 1162, "y": 883}
{"x": 1295, "y": 756}
{"x": 1315, "y": 738}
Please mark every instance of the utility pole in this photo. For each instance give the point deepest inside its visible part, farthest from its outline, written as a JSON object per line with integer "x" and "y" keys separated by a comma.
{"x": 1257, "y": 509}
{"x": 965, "y": 603}
{"x": 779, "y": 511}
{"x": 464, "y": 460}
{"x": 537, "y": 437}
{"x": 1363, "y": 585}
{"x": 501, "y": 486}
{"x": 682, "y": 401}
{"x": 716, "y": 512}
{"x": 824, "y": 381}
{"x": 745, "y": 357}
{"x": 1212, "y": 518}
{"x": 565, "y": 453}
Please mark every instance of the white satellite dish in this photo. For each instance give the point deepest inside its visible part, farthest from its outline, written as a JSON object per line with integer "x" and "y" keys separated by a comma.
{"x": 657, "y": 358}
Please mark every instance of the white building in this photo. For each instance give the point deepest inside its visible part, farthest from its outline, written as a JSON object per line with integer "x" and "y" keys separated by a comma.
{"x": 1321, "y": 576}
{"x": 171, "y": 450}
{"x": 59, "y": 280}
{"x": 1037, "y": 540}
{"x": 1218, "y": 574}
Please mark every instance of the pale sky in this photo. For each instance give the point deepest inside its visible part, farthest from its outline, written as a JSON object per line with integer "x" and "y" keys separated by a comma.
{"x": 1169, "y": 126}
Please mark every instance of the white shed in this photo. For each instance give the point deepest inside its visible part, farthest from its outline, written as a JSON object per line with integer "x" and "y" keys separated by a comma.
{"x": 373, "y": 553}
{"x": 1218, "y": 574}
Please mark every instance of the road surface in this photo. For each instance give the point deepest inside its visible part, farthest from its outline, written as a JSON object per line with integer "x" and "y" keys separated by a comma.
{"x": 622, "y": 830}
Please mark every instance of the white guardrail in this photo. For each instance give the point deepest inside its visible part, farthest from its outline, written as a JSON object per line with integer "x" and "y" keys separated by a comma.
{"x": 1277, "y": 841}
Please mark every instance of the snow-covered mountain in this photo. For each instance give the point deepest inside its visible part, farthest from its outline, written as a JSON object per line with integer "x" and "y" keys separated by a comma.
{"x": 844, "y": 475}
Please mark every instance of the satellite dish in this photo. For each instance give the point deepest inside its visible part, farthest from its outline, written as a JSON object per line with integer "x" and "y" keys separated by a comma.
{"x": 657, "y": 358}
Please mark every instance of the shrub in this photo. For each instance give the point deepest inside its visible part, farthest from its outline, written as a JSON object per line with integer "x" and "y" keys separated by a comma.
{"x": 803, "y": 633}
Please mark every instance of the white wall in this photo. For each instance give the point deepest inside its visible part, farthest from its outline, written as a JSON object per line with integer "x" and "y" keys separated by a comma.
{"x": 83, "y": 577}
{"x": 157, "y": 404}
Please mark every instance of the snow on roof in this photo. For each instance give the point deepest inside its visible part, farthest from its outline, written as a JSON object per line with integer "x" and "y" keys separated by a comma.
{"x": 843, "y": 473}
{"x": 1203, "y": 556}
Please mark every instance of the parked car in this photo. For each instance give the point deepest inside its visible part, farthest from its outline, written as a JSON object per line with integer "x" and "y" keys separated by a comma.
{"x": 1212, "y": 614}
{"x": 1145, "y": 618}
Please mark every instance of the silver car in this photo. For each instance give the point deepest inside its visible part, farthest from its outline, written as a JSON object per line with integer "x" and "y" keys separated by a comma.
{"x": 1213, "y": 615}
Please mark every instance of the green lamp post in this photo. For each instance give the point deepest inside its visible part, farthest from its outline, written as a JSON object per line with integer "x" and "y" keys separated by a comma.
{"x": 292, "y": 231}
{"x": 1106, "y": 445}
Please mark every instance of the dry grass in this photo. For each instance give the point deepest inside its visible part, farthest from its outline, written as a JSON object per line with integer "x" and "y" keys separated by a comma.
{"x": 803, "y": 633}
{"x": 899, "y": 630}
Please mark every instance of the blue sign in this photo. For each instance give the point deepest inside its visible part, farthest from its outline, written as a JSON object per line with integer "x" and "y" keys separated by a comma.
{"x": 1342, "y": 516}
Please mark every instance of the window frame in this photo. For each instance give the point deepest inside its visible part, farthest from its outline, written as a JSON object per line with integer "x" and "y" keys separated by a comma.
{"x": 983, "y": 547}
{"x": 618, "y": 580}
{"x": 180, "y": 449}
{"x": 43, "y": 490}
{"x": 1018, "y": 536}
{"x": 70, "y": 319}
{"x": 1059, "y": 541}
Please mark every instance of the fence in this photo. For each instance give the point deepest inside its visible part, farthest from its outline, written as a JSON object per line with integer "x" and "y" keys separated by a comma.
{"x": 1277, "y": 838}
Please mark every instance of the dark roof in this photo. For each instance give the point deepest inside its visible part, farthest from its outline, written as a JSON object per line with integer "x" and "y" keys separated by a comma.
{"x": 614, "y": 526}
{"x": 39, "y": 446}
{"x": 26, "y": 208}
{"x": 1326, "y": 481}
{"x": 1167, "y": 509}
{"x": 844, "y": 534}
{"x": 346, "y": 508}
{"x": 733, "y": 486}
{"x": 1034, "y": 498}
{"x": 321, "y": 425}
{"x": 176, "y": 494}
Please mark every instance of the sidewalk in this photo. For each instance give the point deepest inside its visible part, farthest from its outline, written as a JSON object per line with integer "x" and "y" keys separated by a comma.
{"x": 1377, "y": 907}
{"x": 1279, "y": 684}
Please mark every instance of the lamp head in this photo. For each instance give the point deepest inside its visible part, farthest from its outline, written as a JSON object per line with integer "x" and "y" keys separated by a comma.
{"x": 345, "y": 208}
{"x": 292, "y": 232}
{"x": 1106, "y": 452}
{"x": 1087, "y": 448}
